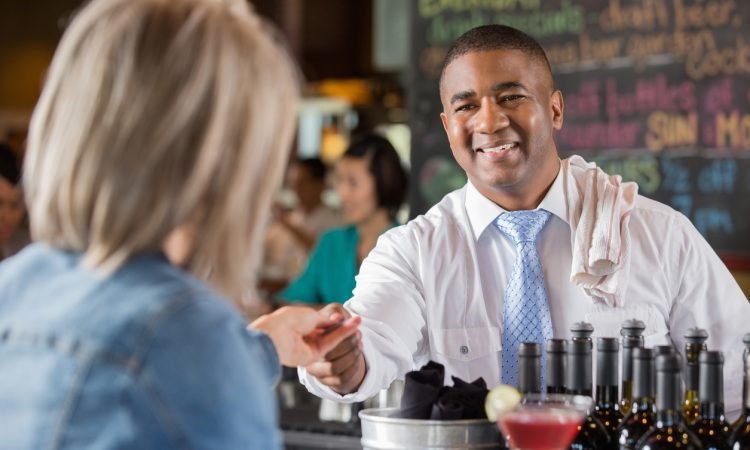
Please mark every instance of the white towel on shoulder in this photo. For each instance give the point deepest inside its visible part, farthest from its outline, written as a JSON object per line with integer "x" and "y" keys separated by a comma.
{"x": 598, "y": 207}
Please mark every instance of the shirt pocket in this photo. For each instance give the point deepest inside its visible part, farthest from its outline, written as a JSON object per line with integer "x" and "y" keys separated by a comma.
{"x": 466, "y": 352}
{"x": 466, "y": 344}
{"x": 607, "y": 321}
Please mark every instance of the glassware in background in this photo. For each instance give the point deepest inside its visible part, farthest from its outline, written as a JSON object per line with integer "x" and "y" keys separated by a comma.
{"x": 695, "y": 344}
{"x": 632, "y": 337}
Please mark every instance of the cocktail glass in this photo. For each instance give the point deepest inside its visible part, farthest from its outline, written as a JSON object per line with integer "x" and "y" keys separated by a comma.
{"x": 543, "y": 421}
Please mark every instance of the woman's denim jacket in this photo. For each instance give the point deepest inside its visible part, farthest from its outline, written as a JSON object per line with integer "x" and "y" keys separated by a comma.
{"x": 145, "y": 358}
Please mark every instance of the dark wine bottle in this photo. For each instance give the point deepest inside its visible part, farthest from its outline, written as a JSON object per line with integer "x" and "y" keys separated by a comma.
{"x": 744, "y": 415}
{"x": 632, "y": 337}
{"x": 740, "y": 439}
{"x": 711, "y": 428}
{"x": 591, "y": 433}
{"x": 606, "y": 405}
{"x": 695, "y": 343}
{"x": 557, "y": 365}
{"x": 670, "y": 431}
{"x": 642, "y": 417}
{"x": 663, "y": 350}
{"x": 580, "y": 374}
{"x": 530, "y": 368}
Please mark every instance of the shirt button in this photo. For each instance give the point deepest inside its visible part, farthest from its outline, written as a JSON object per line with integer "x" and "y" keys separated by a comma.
{"x": 464, "y": 349}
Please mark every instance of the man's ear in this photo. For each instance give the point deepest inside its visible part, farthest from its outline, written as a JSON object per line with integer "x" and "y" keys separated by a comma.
{"x": 557, "y": 106}
{"x": 444, "y": 119}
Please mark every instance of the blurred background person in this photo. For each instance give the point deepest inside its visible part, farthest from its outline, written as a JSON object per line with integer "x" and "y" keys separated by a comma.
{"x": 14, "y": 233}
{"x": 371, "y": 184}
{"x": 15, "y": 138}
{"x": 295, "y": 230}
{"x": 158, "y": 142}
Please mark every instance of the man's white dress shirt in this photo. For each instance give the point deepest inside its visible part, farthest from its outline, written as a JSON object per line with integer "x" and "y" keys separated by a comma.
{"x": 433, "y": 290}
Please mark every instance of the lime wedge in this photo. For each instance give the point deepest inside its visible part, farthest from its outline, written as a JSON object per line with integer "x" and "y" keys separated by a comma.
{"x": 502, "y": 398}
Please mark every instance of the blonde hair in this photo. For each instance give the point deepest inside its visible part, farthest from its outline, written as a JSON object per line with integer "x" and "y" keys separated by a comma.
{"x": 158, "y": 114}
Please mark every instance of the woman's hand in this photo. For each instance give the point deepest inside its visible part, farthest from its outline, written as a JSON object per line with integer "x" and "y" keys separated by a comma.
{"x": 302, "y": 335}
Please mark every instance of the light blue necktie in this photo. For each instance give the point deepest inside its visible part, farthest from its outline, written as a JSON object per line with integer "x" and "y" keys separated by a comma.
{"x": 526, "y": 316}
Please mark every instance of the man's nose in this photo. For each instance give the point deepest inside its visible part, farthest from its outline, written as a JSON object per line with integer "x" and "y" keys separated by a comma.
{"x": 490, "y": 118}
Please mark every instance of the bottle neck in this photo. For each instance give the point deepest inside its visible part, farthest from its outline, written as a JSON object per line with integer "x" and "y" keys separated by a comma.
{"x": 627, "y": 391}
{"x": 606, "y": 395}
{"x": 712, "y": 410}
{"x": 556, "y": 389}
{"x": 692, "y": 352}
{"x": 581, "y": 391}
{"x": 557, "y": 364}
{"x": 529, "y": 374}
{"x": 578, "y": 374}
{"x": 668, "y": 418}
{"x": 691, "y": 396}
{"x": 692, "y": 376}
{"x": 668, "y": 390}
{"x": 644, "y": 404}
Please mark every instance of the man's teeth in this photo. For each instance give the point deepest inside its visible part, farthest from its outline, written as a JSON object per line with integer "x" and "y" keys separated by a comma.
{"x": 500, "y": 148}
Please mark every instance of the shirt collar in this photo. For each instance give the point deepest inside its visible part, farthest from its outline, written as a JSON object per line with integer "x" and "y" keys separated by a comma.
{"x": 482, "y": 211}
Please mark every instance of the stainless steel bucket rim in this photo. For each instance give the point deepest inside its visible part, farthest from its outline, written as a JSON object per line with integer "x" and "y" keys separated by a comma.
{"x": 377, "y": 415}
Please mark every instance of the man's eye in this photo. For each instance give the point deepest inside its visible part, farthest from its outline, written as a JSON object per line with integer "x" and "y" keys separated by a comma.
{"x": 466, "y": 107}
{"x": 512, "y": 98}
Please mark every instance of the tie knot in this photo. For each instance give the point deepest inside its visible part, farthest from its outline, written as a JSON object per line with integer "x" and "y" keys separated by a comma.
{"x": 522, "y": 226}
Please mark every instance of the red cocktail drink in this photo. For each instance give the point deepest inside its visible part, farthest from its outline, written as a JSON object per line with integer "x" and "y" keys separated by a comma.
{"x": 540, "y": 429}
{"x": 544, "y": 422}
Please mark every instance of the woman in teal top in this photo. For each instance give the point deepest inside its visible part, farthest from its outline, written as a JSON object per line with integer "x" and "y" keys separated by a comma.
{"x": 371, "y": 184}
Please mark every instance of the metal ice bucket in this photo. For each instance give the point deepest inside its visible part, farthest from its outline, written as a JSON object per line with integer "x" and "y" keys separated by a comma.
{"x": 380, "y": 431}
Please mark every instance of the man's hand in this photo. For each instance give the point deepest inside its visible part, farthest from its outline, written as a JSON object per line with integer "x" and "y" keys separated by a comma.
{"x": 343, "y": 368}
{"x": 302, "y": 335}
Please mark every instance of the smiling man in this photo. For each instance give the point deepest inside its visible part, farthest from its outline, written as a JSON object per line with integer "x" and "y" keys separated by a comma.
{"x": 529, "y": 246}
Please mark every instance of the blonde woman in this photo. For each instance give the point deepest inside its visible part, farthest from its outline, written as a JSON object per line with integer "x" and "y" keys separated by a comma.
{"x": 154, "y": 152}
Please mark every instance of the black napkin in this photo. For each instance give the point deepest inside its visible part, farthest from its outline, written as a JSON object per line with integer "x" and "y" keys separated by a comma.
{"x": 425, "y": 397}
{"x": 421, "y": 389}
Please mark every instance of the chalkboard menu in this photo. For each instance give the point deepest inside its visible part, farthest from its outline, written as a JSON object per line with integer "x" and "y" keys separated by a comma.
{"x": 655, "y": 90}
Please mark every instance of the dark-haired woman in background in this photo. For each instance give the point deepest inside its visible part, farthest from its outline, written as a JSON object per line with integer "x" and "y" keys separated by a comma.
{"x": 371, "y": 184}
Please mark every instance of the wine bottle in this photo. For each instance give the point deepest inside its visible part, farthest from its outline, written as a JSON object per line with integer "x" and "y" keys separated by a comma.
{"x": 744, "y": 415}
{"x": 582, "y": 332}
{"x": 557, "y": 365}
{"x": 670, "y": 431}
{"x": 642, "y": 416}
{"x": 695, "y": 343}
{"x": 632, "y": 337}
{"x": 663, "y": 350}
{"x": 740, "y": 439}
{"x": 530, "y": 368}
{"x": 606, "y": 406}
{"x": 711, "y": 428}
{"x": 591, "y": 433}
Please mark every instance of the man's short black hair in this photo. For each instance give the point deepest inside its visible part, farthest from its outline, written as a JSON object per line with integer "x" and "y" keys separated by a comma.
{"x": 315, "y": 167}
{"x": 495, "y": 37}
{"x": 391, "y": 180}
